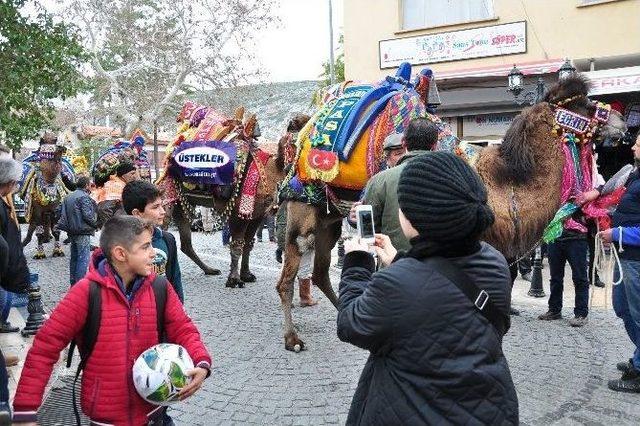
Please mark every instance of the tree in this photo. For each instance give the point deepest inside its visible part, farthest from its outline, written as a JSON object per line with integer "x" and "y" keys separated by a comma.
{"x": 39, "y": 60}
{"x": 145, "y": 54}
{"x": 326, "y": 73}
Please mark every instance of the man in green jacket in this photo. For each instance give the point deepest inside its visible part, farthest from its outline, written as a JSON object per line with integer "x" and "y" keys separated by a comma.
{"x": 381, "y": 191}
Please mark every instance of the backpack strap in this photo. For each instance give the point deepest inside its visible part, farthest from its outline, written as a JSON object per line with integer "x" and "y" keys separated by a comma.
{"x": 172, "y": 252}
{"x": 89, "y": 338}
{"x": 160, "y": 292}
{"x": 480, "y": 298}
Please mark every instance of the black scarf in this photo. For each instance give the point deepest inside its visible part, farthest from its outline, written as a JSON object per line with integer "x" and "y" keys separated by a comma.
{"x": 422, "y": 247}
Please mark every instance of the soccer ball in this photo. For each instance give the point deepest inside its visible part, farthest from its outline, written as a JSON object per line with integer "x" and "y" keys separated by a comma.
{"x": 159, "y": 373}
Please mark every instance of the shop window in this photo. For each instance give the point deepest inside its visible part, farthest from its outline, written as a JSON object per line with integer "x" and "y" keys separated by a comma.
{"x": 436, "y": 13}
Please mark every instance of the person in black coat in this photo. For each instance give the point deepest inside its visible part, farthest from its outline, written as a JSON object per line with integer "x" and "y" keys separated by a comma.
{"x": 435, "y": 356}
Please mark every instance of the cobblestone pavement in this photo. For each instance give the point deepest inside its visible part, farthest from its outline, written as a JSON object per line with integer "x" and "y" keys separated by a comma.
{"x": 560, "y": 372}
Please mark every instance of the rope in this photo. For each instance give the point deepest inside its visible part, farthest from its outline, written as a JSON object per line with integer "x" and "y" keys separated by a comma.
{"x": 605, "y": 261}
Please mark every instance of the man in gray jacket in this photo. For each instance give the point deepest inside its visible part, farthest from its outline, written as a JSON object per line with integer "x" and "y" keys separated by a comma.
{"x": 381, "y": 191}
{"x": 79, "y": 220}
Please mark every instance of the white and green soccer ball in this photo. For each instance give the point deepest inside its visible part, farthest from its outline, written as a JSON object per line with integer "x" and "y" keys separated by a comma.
{"x": 159, "y": 373}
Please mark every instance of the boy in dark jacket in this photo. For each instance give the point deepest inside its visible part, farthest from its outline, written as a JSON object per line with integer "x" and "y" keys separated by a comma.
{"x": 123, "y": 269}
{"x": 144, "y": 200}
{"x": 78, "y": 218}
{"x": 435, "y": 355}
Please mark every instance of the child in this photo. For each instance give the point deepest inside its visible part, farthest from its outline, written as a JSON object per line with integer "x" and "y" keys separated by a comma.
{"x": 144, "y": 200}
{"x": 123, "y": 268}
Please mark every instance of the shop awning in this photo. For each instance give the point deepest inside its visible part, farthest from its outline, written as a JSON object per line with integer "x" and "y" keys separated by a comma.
{"x": 527, "y": 68}
{"x": 615, "y": 80}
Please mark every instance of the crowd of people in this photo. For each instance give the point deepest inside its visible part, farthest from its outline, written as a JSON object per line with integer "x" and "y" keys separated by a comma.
{"x": 437, "y": 302}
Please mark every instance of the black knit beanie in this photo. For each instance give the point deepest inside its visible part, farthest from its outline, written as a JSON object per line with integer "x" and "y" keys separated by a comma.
{"x": 444, "y": 198}
{"x": 124, "y": 167}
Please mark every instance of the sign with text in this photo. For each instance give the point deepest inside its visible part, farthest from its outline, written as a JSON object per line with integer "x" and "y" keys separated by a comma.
{"x": 616, "y": 80}
{"x": 486, "y": 125}
{"x": 210, "y": 162}
{"x": 496, "y": 40}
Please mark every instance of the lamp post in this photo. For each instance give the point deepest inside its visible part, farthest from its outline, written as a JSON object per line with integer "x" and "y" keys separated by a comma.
{"x": 332, "y": 71}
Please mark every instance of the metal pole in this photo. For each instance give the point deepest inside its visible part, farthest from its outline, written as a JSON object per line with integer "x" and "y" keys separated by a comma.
{"x": 536, "y": 289}
{"x": 332, "y": 71}
{"x": 539, "y": 89}
{"x": 155, "y": 148}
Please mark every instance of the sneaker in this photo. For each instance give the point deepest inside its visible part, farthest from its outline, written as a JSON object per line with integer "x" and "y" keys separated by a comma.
{"x": 527, "y": 276}
{"x": 578, "y": 321}
{"x": 5, "y": 414}
{"x": 513, "y": 311}
{"x": 11, "y": 360}
{"x": 629, "y": 382}
{"x": 550, "y": 316}
{"x": 624, "y": 366}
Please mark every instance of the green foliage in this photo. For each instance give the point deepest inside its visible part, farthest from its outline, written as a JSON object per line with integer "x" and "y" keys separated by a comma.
{"x": 39, "y": 62}
{"x": 326, "y": 74}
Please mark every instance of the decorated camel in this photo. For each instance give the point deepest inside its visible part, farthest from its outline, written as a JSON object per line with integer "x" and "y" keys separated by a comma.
{"x": 341, "y": 147}
{"x": 215, "y": 162}
{"x": 46, "y": 178}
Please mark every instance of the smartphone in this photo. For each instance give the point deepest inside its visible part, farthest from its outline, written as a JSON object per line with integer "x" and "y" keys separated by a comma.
{"x": 366, "y": 231}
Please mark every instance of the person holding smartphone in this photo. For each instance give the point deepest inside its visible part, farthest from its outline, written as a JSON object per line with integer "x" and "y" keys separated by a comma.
{"x": 434, "y": 319}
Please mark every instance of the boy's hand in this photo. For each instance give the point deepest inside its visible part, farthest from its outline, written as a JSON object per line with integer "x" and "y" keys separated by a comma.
{"x": 197, "y": 375}
{"x": 385, "y": 250}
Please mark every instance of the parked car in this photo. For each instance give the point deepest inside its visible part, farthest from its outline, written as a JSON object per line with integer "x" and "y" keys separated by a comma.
{"x": 18, "y": 204}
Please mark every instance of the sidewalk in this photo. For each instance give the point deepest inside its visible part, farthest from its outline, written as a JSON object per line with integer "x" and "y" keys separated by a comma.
{"x": 15, "y": 344}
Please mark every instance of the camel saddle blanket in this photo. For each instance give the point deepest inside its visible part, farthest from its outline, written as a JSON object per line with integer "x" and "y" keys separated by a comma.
{"x": 206, "y": 162}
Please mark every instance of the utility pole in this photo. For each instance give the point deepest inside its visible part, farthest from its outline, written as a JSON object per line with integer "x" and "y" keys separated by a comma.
{"x": 332, "y": 71}
{"x": 155, "y": 148}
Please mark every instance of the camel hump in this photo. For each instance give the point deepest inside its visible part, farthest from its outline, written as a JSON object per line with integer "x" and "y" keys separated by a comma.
{"x": 239, "y": 114}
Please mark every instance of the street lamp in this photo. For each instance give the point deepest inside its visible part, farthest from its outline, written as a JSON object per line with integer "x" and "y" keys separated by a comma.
{"x": 516, "y": 79}
{"x": 566, "y": 70}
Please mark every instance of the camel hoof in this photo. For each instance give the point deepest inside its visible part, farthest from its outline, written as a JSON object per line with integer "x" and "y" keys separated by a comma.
{"x": 234, "y": 282}
{"x": 39, "y": 256}
{"x": 57, "y": 253}
{"x": 212, "y": 271}
{"x": 248, "y": 277}
{"x": 293, "y": 343}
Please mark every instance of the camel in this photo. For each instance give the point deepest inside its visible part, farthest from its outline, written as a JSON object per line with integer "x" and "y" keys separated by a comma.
{"x": 47, "y": 179}
{"x": 523, "y": 178}
{"x": 182, "y": 197}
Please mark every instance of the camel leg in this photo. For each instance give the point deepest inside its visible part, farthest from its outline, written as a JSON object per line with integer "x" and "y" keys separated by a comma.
{"x": 325, "y": 241}
{"x": 249, "y": 236}
{"x": 57, "y": 249}
{"x": 186, "y": 246}
{"x": 238, "y": 229}
{"x": 40, "y": 254}
{"x": 29, "y": 236}
{"x": 301, "y": 222}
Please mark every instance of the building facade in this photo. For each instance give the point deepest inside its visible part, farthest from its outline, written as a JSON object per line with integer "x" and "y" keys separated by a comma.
{"x": 472, "y": 45}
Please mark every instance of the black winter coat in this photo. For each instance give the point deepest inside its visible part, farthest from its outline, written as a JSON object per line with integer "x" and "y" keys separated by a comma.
{"x": 14, "y": 275}
{"x": 434, "y": 358}
{"x": 78, "y": 214}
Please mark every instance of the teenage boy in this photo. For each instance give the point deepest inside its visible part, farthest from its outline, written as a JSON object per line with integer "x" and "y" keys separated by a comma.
{"x": 144, "y": 200}
{"x": 123, "y": 269}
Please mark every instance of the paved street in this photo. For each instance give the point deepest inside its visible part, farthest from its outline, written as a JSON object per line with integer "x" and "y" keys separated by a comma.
{"x": 560, "y": 372}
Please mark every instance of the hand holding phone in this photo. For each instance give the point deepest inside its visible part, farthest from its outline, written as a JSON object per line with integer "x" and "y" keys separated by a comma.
{"x": 364, "y": 216}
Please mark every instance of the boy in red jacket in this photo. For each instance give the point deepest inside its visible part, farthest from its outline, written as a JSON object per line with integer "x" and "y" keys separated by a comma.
{"x": 123, "y": 267}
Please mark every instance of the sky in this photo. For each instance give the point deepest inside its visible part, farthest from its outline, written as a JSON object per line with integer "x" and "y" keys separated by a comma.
{"x": 298, "y": 47}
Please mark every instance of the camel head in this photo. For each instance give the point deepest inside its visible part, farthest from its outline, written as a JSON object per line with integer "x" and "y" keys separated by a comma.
{"x": 571, "y": 93}
{"x": 287, "y": 143}
{"x": 50, "y": 156}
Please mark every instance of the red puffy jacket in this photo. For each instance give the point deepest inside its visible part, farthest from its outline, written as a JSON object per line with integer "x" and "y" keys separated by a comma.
{"x": 126, "y": 330}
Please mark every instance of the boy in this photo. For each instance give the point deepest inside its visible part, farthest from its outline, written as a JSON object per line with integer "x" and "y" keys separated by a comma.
{"x": 123, "y": 269}
{"x": 144, "y": 200}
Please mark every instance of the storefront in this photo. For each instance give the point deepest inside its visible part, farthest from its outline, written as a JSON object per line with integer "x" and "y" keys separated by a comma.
{"x": 619, "y": 87}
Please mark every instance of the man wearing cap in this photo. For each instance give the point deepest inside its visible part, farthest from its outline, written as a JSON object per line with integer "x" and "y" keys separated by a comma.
{"x": 110, "y": 198}
{"x": 393, "y": 149}
{"x": 419, "y": 137}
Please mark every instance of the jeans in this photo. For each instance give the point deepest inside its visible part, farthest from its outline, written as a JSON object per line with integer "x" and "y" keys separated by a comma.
{"x": 626, "y": 303}
{"x": 5, "y": 304}
{"x": 575, "y": 252}
{"x": 80, "y": 253}
{"x": 4, "y": 380}
{"x": 226, "y": 234}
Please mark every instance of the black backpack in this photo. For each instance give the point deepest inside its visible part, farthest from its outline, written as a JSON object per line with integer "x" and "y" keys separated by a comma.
{"x": 92, "y": 327}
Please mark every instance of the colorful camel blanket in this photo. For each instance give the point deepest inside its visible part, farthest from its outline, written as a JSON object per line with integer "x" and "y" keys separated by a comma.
{"x": 247, "y": 200}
